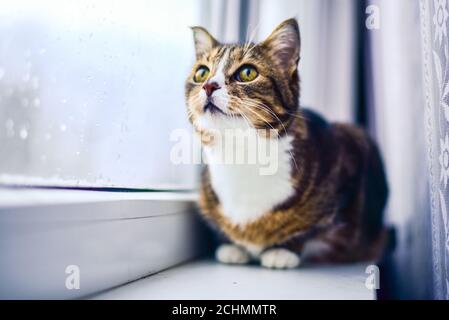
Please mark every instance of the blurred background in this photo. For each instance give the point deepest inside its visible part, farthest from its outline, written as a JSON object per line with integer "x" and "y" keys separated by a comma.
{"x": 90, "y": 92}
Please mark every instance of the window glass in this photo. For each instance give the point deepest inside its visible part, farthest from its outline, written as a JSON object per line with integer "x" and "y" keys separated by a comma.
{"x": 90, "y": 91}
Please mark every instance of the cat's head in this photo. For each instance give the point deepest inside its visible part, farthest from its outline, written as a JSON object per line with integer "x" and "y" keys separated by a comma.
{"x": 251, "y": 85}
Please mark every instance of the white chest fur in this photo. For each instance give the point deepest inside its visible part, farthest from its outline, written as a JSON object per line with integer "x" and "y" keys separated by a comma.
{"x": 249, "y": 190}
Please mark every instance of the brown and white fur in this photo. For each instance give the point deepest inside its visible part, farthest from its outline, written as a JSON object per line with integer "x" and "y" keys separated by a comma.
{"x": 325, "y": 199}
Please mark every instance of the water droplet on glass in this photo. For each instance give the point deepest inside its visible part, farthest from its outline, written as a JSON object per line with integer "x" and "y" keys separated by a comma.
{"x": 35, "y": 82}
{"x": 25, "y": 102}
{"x": 9, "y": 128}
{"x": 9, "y": 124}
{"x": 63, "y": 127}
{"x": 23, "y": 133}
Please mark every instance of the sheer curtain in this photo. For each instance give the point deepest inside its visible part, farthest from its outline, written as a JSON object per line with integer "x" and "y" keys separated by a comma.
{"x": 328, "y": 49}
{"x": 435, "y": 40}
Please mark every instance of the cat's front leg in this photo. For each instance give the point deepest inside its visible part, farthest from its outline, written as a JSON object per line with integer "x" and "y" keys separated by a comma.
{"x": 279, "y": 258}
{"x": 232, "y": 254}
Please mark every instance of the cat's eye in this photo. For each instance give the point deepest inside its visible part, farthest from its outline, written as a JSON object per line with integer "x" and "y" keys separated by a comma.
{"x": 246, "y": 74}
{"x": 201, "y": 74}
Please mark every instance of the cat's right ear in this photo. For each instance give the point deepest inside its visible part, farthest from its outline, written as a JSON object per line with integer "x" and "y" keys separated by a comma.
{"x": 283, "y": 44}
{"x": 204, "y": 42}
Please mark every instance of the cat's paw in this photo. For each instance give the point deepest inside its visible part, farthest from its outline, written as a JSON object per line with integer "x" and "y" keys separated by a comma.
{"x": 279, "y": 259}
{"x": 232, "y": 254}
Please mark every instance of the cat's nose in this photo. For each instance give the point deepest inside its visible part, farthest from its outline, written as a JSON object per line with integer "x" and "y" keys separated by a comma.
{"x": 210, "y": 87}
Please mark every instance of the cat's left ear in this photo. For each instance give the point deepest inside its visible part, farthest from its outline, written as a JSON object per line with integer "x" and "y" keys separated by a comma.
{"x": 204, "y": 41}
{"x": 283, "y": 44}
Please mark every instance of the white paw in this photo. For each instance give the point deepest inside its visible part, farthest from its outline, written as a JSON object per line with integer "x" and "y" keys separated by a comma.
{"x": 279, "y": 259}
{"x": 229, "y": 253}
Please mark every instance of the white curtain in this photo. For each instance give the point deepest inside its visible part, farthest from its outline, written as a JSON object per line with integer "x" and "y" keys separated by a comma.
{"x": 396, "y": 114}
{"x": 221, "y": 18}
{"x": 435, "y": 57}
{"x": 334, "y": 40}
{"x": 327, "y": 68}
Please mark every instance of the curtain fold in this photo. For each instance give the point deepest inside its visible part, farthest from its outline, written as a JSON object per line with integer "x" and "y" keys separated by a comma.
{"x": 395, "y": 113}
{"x": 328, "y": 48}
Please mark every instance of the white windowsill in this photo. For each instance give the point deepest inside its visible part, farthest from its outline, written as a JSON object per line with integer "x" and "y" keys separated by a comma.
{"x": 117, "y": 237}
{"x": 24, "y": 197}
{"x": 112, "y": 237}
{"x": 206, "y": 279}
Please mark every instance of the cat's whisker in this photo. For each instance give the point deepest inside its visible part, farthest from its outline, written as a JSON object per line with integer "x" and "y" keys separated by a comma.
{"x": 195, "y": 100}
{"x": 260, "y": 117}
{"x": 297, "y": 115}
{"x": 248, "y": 123}
{"x": 249, "y": 49}
{"x": 249, "y": 40}
{"x": 291, "y": 154}
{"x": 244, "y": 104}
{"x": 249, "y": 46}
{"x": 263, "y": 108}
{"x": 266, "y": 109}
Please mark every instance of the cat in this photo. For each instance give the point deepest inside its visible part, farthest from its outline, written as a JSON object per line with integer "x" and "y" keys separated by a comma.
{"x": 325, "y": 199}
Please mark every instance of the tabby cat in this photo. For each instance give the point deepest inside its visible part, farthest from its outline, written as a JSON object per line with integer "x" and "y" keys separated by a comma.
{"x": 324, "y": 201}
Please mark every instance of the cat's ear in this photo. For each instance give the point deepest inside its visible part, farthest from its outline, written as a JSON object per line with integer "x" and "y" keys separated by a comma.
{"x": 204, "y": 42}
{"x": 283, "y": 44}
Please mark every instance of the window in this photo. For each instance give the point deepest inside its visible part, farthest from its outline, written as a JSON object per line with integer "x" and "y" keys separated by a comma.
{"x": 90, "y": 92}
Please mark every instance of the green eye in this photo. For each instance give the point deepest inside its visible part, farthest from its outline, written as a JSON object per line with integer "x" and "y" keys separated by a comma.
{"x": 247, "y": 74}
{"x": 201, "y": 74}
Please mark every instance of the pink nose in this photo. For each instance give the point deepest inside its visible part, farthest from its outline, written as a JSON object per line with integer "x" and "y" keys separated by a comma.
{"x": 210, "y": 87}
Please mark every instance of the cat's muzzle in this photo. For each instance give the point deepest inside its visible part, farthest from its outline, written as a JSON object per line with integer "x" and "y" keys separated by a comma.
{"x": 212, "y": 108}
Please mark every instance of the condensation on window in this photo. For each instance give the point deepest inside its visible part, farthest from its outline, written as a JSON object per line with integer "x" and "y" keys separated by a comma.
{"x": 91, "y": 90}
